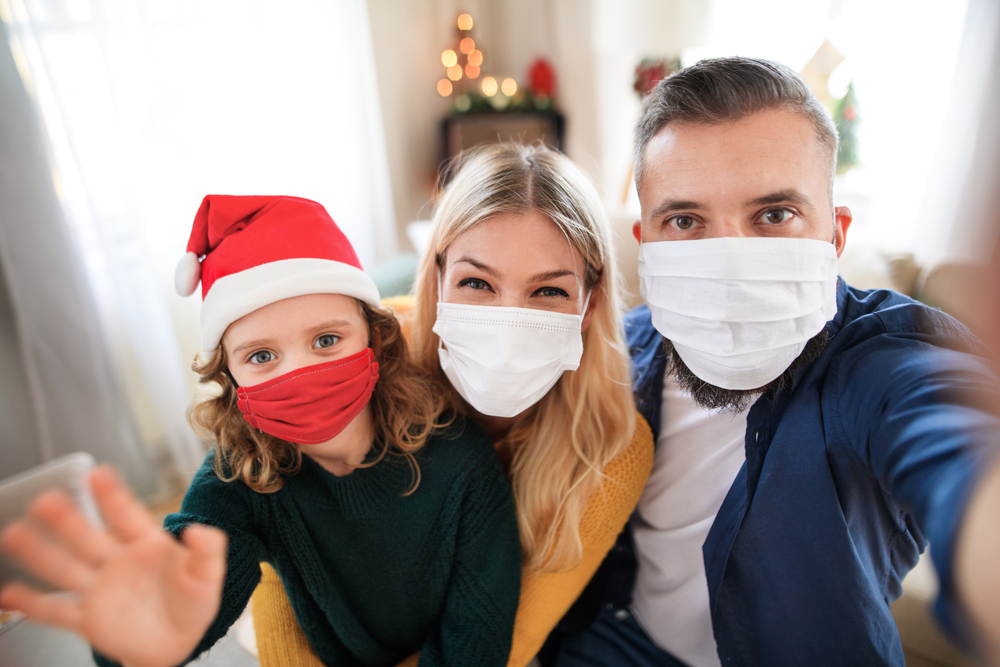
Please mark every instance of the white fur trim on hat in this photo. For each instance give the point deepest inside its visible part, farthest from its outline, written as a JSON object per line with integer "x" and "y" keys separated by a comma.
{"x": 187, "y": 274}
{"x": 239, "y": 294}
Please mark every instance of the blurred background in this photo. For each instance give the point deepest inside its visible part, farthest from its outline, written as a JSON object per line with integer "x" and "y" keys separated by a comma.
{"x": 118, "y": 116}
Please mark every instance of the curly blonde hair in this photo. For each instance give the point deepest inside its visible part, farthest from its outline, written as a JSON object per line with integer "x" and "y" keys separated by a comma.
{"x": 407, "y": 405}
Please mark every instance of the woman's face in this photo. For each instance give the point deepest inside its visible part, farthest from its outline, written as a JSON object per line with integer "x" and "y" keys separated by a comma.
{"x": 516, "y": 260}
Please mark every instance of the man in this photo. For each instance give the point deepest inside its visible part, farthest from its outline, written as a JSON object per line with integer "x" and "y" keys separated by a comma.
{"x": 811, "y": 438}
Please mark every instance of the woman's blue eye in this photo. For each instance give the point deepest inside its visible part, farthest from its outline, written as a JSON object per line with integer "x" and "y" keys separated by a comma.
{"x": 552, "y": 292}
{"x": 682, "y": 222}
{"x": 474, "y": 283}
{"x": 262, "y": 357}
{"x": 327, "y": 340}
{"x": 777, "y": 216}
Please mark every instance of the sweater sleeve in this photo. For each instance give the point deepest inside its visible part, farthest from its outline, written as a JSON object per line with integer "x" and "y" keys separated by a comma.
{"x": 546, "y": 596}
{"x": 916, "y": 414}
{"x": 228, "y": 507}
{"x": 280, "y": 639}
{"x": 481, "y": 600}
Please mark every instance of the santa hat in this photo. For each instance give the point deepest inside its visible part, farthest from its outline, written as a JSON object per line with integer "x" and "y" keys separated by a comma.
{"x": 249, "y": 252}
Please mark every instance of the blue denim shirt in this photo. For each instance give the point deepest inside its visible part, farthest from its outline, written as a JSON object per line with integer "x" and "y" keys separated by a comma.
{"x": 871, "y": 454}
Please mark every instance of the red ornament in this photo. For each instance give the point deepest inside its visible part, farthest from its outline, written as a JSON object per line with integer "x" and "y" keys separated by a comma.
{"x": 542, "y": 79}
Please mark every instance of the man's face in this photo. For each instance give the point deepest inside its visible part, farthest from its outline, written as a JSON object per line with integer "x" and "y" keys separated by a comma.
{"x": 765, "y": 175}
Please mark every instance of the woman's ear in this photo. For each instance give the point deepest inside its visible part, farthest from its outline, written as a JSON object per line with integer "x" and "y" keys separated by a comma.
{"x": 595, "y": 298}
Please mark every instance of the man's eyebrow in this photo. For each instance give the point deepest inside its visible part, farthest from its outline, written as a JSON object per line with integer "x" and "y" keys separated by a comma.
{"x": 790, "y": 196}
{"x": 551, "y": 275}
{"x": 671, "y": 205}
{"x": 479, "y": 265}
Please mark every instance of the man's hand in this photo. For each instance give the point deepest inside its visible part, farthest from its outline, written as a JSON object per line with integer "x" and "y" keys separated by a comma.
{"x": 132, "y": 591}
{"x": 977, "y": 553}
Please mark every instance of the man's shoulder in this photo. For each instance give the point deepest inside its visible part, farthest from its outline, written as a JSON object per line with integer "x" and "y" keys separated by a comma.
{"x": 882, "y": 312}
{"x": 639, "y": 330}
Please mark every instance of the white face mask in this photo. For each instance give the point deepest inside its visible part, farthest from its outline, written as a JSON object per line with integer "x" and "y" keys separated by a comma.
{"x": 504, "y": 360}
{"x": 739, "y": 310}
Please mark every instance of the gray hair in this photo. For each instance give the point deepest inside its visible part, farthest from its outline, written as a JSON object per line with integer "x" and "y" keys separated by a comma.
{"x": 721, "y": 90}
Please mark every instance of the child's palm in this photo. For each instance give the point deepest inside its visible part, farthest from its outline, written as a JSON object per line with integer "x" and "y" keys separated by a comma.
{"x": 140, "y": 596}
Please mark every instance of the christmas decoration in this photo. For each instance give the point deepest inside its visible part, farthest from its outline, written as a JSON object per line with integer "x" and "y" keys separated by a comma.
{"x": 463, "y": 62}
{"x": 845, "y": 115}
{"x": 463, "y": 65}
{"x": 650, "y": 71}
{"x": 542, "y": 80}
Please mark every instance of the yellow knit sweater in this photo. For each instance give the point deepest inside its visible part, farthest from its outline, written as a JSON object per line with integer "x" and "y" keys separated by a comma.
{"x": 545, "y": 596}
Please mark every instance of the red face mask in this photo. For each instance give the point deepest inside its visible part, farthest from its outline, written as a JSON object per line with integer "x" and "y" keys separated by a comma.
{"x": 312, "y": 404}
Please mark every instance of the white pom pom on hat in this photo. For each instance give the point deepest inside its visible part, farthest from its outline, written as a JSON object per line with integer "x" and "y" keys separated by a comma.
{"x": 187, "y": 275}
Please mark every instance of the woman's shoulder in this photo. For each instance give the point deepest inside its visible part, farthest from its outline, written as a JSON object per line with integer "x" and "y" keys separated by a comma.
{"x": 636, "y": 460}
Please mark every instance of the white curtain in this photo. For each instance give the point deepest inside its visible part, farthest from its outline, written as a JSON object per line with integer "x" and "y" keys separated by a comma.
{"x": 961, "y": 212}
{"x": 148, "y": 105}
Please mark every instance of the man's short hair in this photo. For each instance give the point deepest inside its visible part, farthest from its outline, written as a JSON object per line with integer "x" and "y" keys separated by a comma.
{"x": 722, "y": 90}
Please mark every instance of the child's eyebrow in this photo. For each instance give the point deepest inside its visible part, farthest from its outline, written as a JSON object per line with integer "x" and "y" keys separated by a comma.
{"x": 332, "y": 324}
{"x": 261, "y": 342}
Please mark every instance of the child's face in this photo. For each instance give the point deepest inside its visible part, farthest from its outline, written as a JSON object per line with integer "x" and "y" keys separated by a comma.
{"x": 291, "y": 334}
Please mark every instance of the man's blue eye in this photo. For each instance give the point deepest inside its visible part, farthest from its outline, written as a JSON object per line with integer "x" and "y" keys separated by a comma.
{"x": 326, "y": 341}
{"x": 261, "y": 357}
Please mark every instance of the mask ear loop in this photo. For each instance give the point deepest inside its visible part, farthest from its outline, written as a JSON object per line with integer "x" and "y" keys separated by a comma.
{"x": 439, "y": 300}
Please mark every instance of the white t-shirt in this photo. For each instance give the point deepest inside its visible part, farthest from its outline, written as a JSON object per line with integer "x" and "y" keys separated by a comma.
{"x": 699, "y": 452}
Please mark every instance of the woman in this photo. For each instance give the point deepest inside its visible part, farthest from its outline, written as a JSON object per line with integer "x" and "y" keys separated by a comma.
{"x": 521, "y": 253}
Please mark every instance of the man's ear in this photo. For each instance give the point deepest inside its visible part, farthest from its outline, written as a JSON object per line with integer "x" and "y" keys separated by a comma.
{"x": 637, "y": 231}
{"x": 842, "y": 219}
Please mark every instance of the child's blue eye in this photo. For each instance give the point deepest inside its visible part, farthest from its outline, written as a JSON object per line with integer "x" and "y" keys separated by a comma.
{"x": 262, "y": 357}
{"x": 327, "y": 340}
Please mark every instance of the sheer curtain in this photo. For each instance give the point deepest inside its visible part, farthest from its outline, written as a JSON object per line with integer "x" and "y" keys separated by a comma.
{"x": 147, "y": 106}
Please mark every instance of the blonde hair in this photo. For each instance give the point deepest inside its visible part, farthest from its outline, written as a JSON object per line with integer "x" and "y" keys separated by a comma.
{"x": 406, "y": 405}
{"x": 561, "y": 445}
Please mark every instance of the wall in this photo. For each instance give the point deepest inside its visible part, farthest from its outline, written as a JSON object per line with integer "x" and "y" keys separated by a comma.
{"x": 593, "y": 45}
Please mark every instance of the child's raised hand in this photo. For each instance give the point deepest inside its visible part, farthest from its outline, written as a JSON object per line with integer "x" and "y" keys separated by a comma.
{"x": 135, "y": 593}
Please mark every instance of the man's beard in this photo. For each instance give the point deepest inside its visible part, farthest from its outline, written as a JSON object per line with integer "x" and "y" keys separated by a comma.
{"x": 737, "y": 400}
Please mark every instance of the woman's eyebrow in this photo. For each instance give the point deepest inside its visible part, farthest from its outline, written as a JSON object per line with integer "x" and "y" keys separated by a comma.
{"x": 551, "y": 275}
{"x": 479, "y": 265}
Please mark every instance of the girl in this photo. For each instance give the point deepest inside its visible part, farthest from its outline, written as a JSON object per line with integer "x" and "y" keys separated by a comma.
{"x": 517, "y": 313}
{"x": 390, "y": 534}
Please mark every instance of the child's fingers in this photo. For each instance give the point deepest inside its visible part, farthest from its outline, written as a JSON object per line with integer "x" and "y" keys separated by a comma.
{"x": 44, "y": 558}
{"x": 123, "y": 513}
{"x": 59, "y": 514}
{"x": 56, "y": 609}
{"x": 207, "y": 560}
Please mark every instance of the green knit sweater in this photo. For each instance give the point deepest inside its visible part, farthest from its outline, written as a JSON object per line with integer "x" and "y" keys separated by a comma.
{"x": 374, "y": 576}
